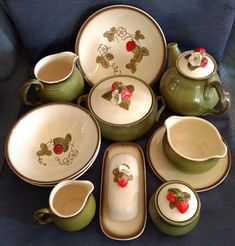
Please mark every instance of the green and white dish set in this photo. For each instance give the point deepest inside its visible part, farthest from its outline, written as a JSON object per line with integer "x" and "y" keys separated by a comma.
{"x": 58, "y": 141}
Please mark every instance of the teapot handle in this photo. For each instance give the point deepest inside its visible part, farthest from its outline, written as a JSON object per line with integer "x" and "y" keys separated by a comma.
{"x": 42, "y": 216}
{"x": 24, "y": 89}
{"x": 162, "y": 107}
{"x": 224, "y": 97}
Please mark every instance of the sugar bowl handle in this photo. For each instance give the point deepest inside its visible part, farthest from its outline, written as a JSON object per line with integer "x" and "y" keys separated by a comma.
{"x": 162, "y": 106}
{"x": 43, "y": 216}
{"x": 224, "y": 97}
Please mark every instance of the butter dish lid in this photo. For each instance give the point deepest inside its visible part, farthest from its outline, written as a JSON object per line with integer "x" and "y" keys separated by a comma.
{"x": 120, "y": 100}
{"x": 177, "y": 202}
{"x": 196, "y": 64}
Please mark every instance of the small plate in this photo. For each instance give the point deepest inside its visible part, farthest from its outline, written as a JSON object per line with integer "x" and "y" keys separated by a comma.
{"x": 123, "y": 209}
{"x": 121, "y": 40}
{"x": 166, "y": 171}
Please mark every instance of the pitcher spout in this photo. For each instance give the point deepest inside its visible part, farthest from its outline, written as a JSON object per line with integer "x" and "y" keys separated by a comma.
{"x": 173, "y": 53}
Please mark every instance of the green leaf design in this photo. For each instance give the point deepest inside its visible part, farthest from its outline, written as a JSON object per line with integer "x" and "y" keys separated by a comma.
{"x": 192, "y": 68}
{"x": 110, "y": 34}
{"x": 105, "y": 64}
{"x": 107, "y": 95}
{"x": 99, "y": 59}
{"x": 171, "y": 205}
{"x": 131, "y": 88}
{"x": 144, "y": 51}
{"x": 125, "y": 104}
{"x": 109, "y": 56}
{"x": 131, "y": 66}
{"x": 138, "y": 35}
{"x": 187, "y": 56}
{"x": 136, "y": 50}
{"x": 138, "y": 57}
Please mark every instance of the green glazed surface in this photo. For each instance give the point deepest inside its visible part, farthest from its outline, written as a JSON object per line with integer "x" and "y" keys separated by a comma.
{"x": 80, "y": 220}
{"x": 64, "y": 91}
{"x": 167, "y": 228}
{"x": 185, "y": 164}
{"x": 186, "y": 96}
{"x": 128, "y": 132}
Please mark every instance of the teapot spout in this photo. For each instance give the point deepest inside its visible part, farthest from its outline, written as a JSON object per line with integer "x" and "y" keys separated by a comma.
{"x": 173, "y": 53}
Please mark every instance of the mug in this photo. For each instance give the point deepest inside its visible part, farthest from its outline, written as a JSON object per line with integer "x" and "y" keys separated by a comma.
{"x": 71, "y": 205}
{"x": 57, "y": 78}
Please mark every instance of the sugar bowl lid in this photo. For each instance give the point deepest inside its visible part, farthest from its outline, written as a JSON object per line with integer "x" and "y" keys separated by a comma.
{"x": 177, "y": 203}
{"x": 121, "y": 100}
{"x": 196, "y": 64}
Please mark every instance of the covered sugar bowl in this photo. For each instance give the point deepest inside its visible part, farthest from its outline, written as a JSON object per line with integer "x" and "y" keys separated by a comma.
{"x": 124, "y": 106}
{"x": 175, "y": 208}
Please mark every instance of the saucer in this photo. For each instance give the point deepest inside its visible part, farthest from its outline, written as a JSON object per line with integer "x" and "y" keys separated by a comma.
{"x": 121, "y": 40}
{"x": 123, "y": 209}
{"x": 166, "y": 171}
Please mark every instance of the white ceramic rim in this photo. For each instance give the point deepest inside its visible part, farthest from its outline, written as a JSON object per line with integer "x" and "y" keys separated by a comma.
{"x": 109, "y": 232}
{"x": 206, "y": 123}
{"x": 63, "y": 184}
{"x": 53, "y": 182}
{"x": 77, "y": 43}
{"x": 191, "y": 179}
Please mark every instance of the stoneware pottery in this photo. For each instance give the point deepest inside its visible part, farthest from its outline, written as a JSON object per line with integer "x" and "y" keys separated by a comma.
{"x": 165, "y": 170}
{"x": 53, "y": 142}
{"x": 192, "y": 143}
{"x": 191, "y": 84}
{"x": 125, "y": 107}
{"x": 71, "y": 205}
{"x": 175, "y": 208}
{"x": 121, "y": 40}
{"x": 123, "y": 192}
{"x": 57, "y": 79}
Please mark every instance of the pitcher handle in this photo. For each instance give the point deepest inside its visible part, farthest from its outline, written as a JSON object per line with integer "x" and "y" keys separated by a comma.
{"x": 81, "y": 99}
{"x": 42, "y": 216}
{"x": 162, "y": 107}
{"x": 224, "y": 97}
{"x": 24, "y": 89}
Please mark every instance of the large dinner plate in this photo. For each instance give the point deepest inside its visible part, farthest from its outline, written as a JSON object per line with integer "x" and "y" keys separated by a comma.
{"x": 121, "y": 40}
{"x": 166, "y": 171}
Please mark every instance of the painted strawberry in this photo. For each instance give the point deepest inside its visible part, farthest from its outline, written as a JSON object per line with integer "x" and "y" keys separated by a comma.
{"x": 122, "y": 175}
{"x": 171, "y": 197}
{"x": 58, "y": 149}
{"x": 125, "y": 94}
{"x": 130, "y": 45}
{"x": 200, "y": 50}
{"x": 117, "y": 85}
{"x": 204, "y": 62}
{"x": 178, "y": 199}
{"x": 122, "y": 182}
{"x": 182, "y": 205}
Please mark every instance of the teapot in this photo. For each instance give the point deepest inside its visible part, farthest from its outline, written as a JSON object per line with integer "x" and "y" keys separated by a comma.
{"x": 191, "y": 85}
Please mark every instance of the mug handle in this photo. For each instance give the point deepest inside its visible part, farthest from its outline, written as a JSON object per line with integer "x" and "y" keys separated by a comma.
{"x": 24, "y": 89}
{"x": 162, "y": 107}
{"x": 42, "y": 216}
{"x": 224, "y": 97}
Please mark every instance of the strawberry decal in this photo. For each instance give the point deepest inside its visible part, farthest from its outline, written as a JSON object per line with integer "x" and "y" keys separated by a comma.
{"x": 133, "y": 45}
{"x": 178, "y": 199}
{"x": 130, "y": 45}
{"x": 55, "y": 147}
{"x": 120, "y": 94}
{"x": 122, "y": 175}
{"x": 197, "y": 59}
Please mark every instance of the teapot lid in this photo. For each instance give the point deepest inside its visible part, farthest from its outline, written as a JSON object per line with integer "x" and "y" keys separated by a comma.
{"x": 121, "y": 99}
{"x": 196, "y": 64}
{"x": 177, "y": 202}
